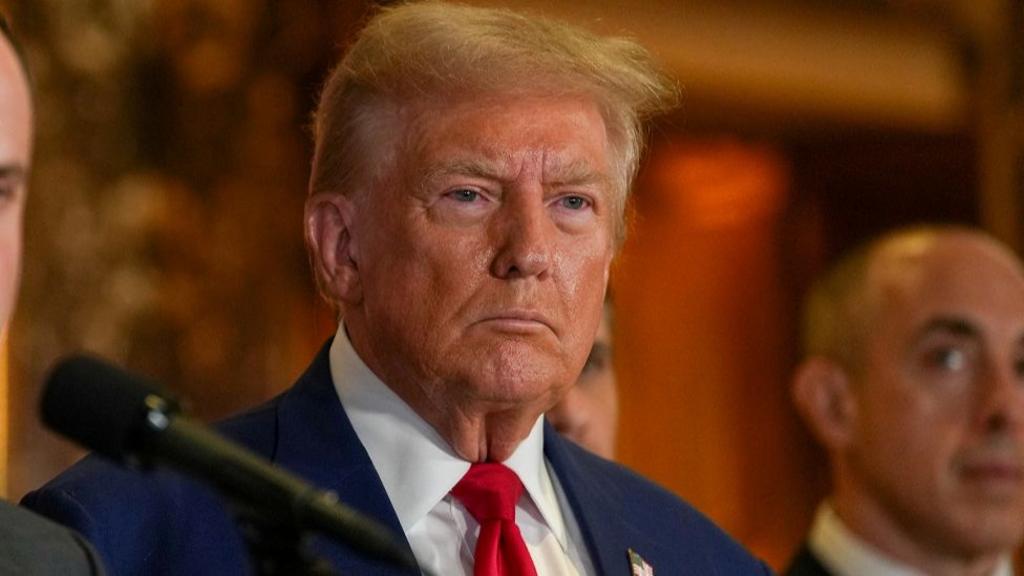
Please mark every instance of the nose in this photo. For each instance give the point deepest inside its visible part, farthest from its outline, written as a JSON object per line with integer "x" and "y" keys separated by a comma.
{"x": 1002, "y": 402}
{"x": 525, "y": 237}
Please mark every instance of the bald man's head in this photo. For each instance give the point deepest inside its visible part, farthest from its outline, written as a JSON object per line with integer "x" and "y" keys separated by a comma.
{"x": 914, "y": 384}
{"x": 842, "y": 304}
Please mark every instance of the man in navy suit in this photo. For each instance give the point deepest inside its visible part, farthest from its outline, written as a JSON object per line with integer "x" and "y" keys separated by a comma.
{"x": 913, "y": 382}
{"x": 467, "y": 193}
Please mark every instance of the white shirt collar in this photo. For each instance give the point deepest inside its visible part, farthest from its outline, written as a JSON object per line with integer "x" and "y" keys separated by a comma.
{"x": 416, "y": 465}
{"x": 846, "y": 554}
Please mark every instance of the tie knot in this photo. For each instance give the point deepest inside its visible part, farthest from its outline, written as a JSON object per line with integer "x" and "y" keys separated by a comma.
{"x": 489, "y": 491}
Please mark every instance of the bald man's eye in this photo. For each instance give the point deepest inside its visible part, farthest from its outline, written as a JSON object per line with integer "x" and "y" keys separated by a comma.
{"x": 948, "y": 359}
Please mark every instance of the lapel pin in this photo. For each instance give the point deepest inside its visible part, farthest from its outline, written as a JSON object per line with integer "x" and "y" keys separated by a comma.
{"x": 638, "y": 565}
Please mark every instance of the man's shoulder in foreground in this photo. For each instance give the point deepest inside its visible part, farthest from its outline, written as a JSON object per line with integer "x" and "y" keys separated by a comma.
{"x": 627, "y": 519}
{"x": 33, "y": 546}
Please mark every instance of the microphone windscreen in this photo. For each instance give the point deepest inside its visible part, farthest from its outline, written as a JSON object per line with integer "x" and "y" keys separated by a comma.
{"x": 98, "y": 405}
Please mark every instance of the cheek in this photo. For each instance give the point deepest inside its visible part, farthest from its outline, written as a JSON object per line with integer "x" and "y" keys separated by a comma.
{"x": 583, "y": 270}
{"x": 914, "y": 436}
{"x": 10, "y": 252}
{"x": 583, "y": 284}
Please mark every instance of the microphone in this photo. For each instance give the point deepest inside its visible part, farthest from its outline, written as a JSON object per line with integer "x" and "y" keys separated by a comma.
{"x": 130, "y": 419}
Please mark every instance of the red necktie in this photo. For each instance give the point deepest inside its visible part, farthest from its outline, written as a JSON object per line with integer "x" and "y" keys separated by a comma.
{"x": 490, "y": 492}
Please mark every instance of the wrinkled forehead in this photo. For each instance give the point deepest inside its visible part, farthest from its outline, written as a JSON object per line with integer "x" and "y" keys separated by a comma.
{"x": 496, "y": 136}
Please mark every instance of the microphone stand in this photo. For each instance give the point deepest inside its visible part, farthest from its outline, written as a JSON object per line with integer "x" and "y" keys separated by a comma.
{"x": 275, "y": 548}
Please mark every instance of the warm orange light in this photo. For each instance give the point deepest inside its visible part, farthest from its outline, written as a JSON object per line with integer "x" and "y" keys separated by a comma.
{"x": 720, "y": 184}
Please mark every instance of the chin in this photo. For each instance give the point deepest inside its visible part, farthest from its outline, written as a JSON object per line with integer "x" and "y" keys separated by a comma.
{"x": 509, "y": 390}
{"x": 521, "y": 385}
{"x": 508, "y": 371}
{"x": 988, "y": 534}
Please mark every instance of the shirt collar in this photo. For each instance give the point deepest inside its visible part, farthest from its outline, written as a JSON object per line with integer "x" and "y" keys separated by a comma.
{"x": 845, "y": 554}
{"x": 416, "y": 465}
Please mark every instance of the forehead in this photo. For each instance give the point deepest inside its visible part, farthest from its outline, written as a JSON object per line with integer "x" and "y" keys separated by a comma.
{"x": 954, "y": 276}
{"x": 15, "y": 108}
{"x": 564, "y": 135}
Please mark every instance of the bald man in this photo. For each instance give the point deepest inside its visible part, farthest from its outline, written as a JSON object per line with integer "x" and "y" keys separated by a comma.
{"x": 29, "y": 545}
{"x": 913, "y": 382}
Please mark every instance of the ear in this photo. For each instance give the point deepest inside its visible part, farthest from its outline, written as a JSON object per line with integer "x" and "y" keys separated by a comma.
{"x": 332, "y": 251}
{"x": 822, "y": 393}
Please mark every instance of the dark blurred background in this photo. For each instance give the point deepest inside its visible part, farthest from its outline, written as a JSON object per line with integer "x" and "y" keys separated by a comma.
{"x": 164, "y": 221}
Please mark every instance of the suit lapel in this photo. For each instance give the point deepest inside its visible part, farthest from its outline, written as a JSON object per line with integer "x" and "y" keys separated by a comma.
{"x": 597, "y": 507}
{"x": 316, "y": 440}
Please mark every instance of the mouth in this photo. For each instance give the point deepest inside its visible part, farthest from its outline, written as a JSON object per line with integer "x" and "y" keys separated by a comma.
{"x": 522, "y": 322}
{"x": 994, "y": 473}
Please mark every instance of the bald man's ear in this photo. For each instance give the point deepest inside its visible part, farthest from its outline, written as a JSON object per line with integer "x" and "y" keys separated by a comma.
{"x": 329, "y": 220}
{"x": 823, "y": 396}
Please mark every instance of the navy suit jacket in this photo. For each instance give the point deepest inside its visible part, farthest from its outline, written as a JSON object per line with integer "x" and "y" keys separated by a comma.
{"x": 162, "y": 523}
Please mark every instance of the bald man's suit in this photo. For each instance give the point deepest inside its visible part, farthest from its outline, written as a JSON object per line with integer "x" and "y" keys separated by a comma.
{"x": 805, "y": 563}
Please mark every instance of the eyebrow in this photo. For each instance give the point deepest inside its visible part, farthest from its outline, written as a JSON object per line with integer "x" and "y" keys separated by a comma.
{"x": 12, "y": 171}
{"x": 575, "y": 172}
{"x": 464, "y": 167}
{"x": 955, "y": 325}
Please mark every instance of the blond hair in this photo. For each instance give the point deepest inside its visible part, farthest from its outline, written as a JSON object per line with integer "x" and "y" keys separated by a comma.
{"x": 428, "y": 50}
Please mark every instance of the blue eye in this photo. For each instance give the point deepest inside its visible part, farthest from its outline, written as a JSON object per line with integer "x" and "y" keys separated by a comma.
{"x": 574, "y": 202}
{"x": 464, "y": 195}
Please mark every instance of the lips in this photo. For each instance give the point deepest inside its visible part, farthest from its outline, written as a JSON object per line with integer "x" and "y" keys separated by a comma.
{"x": 517, "y": 321}
{"x": 1002, "y": 470}
{"x": 994, "y": 470}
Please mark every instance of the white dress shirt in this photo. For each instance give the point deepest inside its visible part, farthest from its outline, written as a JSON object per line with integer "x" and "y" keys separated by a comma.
{"x": 843, "y": 553}
{"x": 418, "y": 469}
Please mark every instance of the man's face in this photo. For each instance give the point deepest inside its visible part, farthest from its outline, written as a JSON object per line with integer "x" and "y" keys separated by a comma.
{"x": 588, "y": 413}
{"x": 15, "y": 147}
{"x": 939, "y": 438}
{"x": 483, "y": 261}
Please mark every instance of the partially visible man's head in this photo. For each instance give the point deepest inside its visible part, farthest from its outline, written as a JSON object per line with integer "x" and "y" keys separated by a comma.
{"x": 15, "y": 154}
{"x": 466, "y": 200}
{"x": 588, "y": 414}
{"x": 914, "y": 383}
